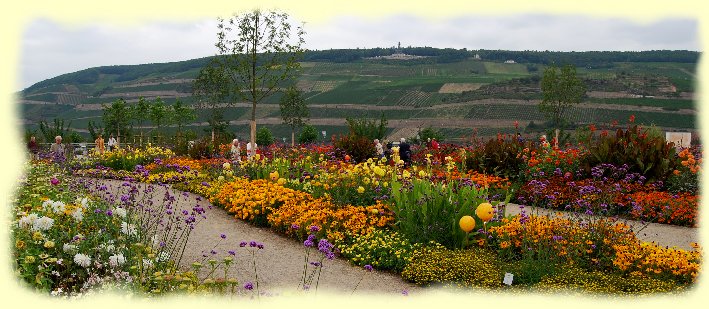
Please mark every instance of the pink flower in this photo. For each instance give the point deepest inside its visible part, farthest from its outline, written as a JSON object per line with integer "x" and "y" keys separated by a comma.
{"x": 54, "y": 181}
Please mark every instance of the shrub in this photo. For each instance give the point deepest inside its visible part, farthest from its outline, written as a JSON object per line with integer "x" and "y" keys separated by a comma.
{"x": 643, "y": 150}
{"x": 308, "y": 134}
{"x": 471, "y": 268}
{"x": 264, "y": 137}
{"x": 368, "y": 128}
{"x": 202, "y": 149}
{"x": 499, "y": 156}
{"x": 358, "y": 147}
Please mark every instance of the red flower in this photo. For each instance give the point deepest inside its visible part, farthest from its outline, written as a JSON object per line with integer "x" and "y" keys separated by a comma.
{"x": 632, "y": 118}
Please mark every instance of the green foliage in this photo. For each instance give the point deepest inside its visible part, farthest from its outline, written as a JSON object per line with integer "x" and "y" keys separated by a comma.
{"x": 427, "y": 133}
{"x": 427, "y": 211}
{"x": 75, "y": 137}
{"x": 501, "y": 157}
{"x": 642, "y": 150}
{"x": 94, "y": 130}
{"x": 686, "y": 181}
{"x": 294, "y": 111}
{"x": 202, "y": 149}
{"x": 308, "y": 134}
{"x": 264, "y": 137}
{"x": 559, "y": 92}
{"x": 470, "y": 268}
{"x": 117, "y": 118}
{"x": 50, "y": 132}
{"x": 368, "y": 128}
{"x": 181, "y": 114}
{"x": 359, "y": 148}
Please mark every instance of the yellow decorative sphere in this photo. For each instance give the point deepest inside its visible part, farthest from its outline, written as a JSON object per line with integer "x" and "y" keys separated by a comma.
{"x": 484, "y": 211}
{"x": 467, "y": 223}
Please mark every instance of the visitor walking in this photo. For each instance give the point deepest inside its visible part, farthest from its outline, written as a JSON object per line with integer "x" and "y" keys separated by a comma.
{"x": 33, "y": 148}
{"x": 405, "y": 152}
{"x": 100, "y": 147}
{"x": 235, "y": 150}
{"x": 58, "y": 150}
{"x": 112, "y": 143}
{"x": 250, "y": 152}
{"x": 380, "y": 149}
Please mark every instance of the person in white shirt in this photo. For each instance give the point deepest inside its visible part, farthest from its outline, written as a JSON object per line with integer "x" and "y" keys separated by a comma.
{"x": 380, "y": 149}
{"x": 112, "y": 143}
{"x": 251, "y": 152}
{"x": 235, "y": 150}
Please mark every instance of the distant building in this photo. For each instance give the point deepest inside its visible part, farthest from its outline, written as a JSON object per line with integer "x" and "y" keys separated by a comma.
{"x": 476, "y": 57}
{"x": 510, "y": 61}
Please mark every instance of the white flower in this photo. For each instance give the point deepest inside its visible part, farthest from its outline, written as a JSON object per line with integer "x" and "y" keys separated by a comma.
{"x": 27, "y": 221}
{"x": 82, "y": 260}
{"x": 128, "y": 229}
{"x": 47, "y": 204}
{"x": 116, "y": 260}
{"x": 68, "y": 248}
{"x": 58, "y": 207}
{"x": 83, "y": 201}
{"x": 121, "y": 212}
{"x": 78, "y": 215}
{"x": 42, "y": 224}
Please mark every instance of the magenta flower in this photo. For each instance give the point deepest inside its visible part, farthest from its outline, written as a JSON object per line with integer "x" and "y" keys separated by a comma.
{"x": 54, "y": 181}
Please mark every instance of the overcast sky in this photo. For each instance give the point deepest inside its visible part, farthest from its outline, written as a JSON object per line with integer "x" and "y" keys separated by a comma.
{"x": 49, "y": 48}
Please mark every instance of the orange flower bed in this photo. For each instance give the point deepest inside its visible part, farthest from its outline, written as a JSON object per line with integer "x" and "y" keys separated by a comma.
{"x": 268, "y": 203}
{"x": 603, "y": 244}
{"x": 181, "y": 161}
{"x": 664, "y": 207}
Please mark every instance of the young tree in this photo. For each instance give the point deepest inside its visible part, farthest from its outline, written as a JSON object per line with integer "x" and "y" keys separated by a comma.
{"x": 257, "y": 52}
{"x": 294, "y": 111}
{"x": 94, "y": 130}
{"x": 210, "y": 89}
{"x": 140, "y": 112}
{"x": 559, "y": 92}
{"x": 58, "y": 129}
{"x": 116, "y": 118}
{"x": 180, "y": 115}
{"x": 308, "y": 134}
{"x": 158, "y": 114}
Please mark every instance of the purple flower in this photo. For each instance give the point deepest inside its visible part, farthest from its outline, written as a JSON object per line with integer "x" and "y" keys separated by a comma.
{"x": 295, "y": 226}
{"x": 109, "y": 213}
{"x": 213, "y": 252}
{"x": 223, "y": 236}
{"x": 242, "y": 244}
{"x": 54, "y": 181}
{"x": 260, "y": 246}
{"x": 308, "y": 243}
{"x": 232, "y": 252}
{"x": 314, "y": 228}
{"x": 405, "y": 292}
{"x": 368, "y": 267}
{"x": 252, "y": 244}
{"x": 316, "y": 264}
{"x": 248, "y": 285}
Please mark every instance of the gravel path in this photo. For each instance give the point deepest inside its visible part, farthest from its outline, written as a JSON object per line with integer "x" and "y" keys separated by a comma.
{"x": 280, "y": 263}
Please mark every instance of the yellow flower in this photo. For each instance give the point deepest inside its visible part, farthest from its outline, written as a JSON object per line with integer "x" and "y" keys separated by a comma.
{"x": 274, "y": 176}
{"x": 360, "y": 190}
{"x": 467, "y": 223}
{"x": 19, "y": 244}
{"x": 281, "y": 181}
{"x": 49, "y": 244}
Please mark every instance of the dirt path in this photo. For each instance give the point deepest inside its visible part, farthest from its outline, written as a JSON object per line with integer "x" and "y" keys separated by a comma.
{"x": 279, "y": 263}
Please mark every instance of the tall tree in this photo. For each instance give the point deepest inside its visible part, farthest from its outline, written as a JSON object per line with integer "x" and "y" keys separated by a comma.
{"x": 210, "y": 89}
{"x": 117, "y": 118}
{"x": 158, "y": 114}
{"x": 560, "y": 90}
{"x": 294, "y": 111}
{"x": 49, "y": 132}
{"x": 181, "y": 114}
{"x": 140, "y": 112}
{"x": 258, "y": 51}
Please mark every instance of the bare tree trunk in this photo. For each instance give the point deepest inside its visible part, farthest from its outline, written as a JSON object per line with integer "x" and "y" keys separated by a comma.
{"x": 292, "y": 137}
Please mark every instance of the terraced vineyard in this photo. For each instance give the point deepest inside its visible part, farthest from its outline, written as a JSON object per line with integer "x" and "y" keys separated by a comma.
{"x": 489, "y": 95}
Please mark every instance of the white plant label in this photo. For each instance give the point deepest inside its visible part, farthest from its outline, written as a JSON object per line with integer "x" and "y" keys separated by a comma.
{"x": 508, "y": 279}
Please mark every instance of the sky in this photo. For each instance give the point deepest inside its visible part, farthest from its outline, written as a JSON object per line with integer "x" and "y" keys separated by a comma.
{"x": 50, "y": 48}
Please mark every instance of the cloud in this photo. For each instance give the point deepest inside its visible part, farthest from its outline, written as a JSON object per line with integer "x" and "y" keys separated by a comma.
{"x": 50, "y": 48}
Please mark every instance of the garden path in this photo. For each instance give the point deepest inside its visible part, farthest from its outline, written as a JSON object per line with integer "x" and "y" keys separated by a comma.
{"x": 280, "y": 263}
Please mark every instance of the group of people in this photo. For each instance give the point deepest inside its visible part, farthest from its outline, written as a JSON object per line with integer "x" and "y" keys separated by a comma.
{"x": 58, "y": 151}
{"x": 236, "y": 150}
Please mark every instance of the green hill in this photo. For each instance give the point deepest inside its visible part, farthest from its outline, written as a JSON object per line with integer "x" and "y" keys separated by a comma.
{"x": 456, "y": 91}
